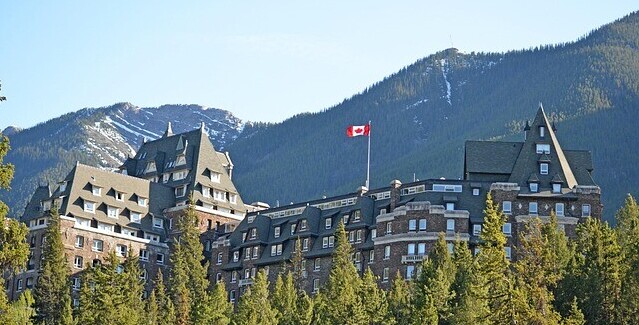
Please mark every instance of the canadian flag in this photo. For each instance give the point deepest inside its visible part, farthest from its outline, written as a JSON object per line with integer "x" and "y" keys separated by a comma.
{"x": 357, "y": 130}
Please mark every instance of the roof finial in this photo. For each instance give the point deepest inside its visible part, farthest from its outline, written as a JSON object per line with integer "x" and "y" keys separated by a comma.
{"x": 169, "y": 130}
{"x": 202, "y": 126}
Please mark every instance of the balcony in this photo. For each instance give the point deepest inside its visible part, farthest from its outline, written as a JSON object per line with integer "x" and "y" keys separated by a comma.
{"x": 246, "y": 282}
{"x": 412, "y": 258}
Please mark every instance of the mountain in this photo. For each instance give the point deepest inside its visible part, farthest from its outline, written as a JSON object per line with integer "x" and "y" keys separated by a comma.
{"x": 421, "y": 117}
{"x": 102, "y": 137}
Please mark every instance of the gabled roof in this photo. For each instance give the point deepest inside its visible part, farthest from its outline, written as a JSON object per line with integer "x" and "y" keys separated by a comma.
{"x": 491, "y": 157}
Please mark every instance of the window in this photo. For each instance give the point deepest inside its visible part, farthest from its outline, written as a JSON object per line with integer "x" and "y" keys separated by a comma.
{"x": 450, "y": 206}
{"x": 144, "y": 274}
{"x": 303, "y": 225}
{"x": 331, "y": 241}
{"x": 556, "y": 188}
{"x": 232, "y": 296}
{"x": 585, "y": 210}
{"x": 165, "y": 177}
{"x": 542, "y": 131}
{"x": 19, "y": 286}
{"x": 371, "y": 256}
{"x": 256, "y": 252}
{"x": 98, "y": 245}
{"x": 78, "y": 262}
{"x": 385, "y": 274}
{"x": 89, "y": 206}
{"x": 276, "y": 250}
{"x": 105, "y": 227}
{"x": 236, "y": 256}
{"x": 373, "y": 233}
{"x": 476, "y": 230}
{"x": 316, "y": 284}
{"x": 475, "y": 191}
{"x": 389, "y": 228}
{"x": 180, "y": 191}
{"x": 507, "y": 229}
{"x": 543, "y": 148}
{"x": 253, "y": 233}
{"x": 113, "y": 212}
{"x": 158, "y": 223}
{"x": 206, "y": 192}
{"x": 247, "y": 253}
{"x": 411, "y": 249}
{"x": 179, "y": 175}
{"x": 506, "y": 207}
{"x": 293, "y": 227}
{"x": 317, "y": 264}
{"x": 450, "y": 225}
{"x": 358, "y": 236}
{"x": 508, "y": 252}
{"x": 409, "y": 272}
{"x": 151, "y": 237}
{"x": 180, "y": 160}
{"x": 250, "y": 218}
{"x": 97, "y": 191}
{"x": 559, "y": 209}
{"x": 357, "y": 215}
{"x": 216, "y": 177}
{"x": 543, "y": 168}
{"x": 345, "y": 219}
{"x": 387, "y": 252}
{"x": 305, "y": 245}
{"x": 534, "y": 187}
{"x": 421, "y": 249}
{"x": 159, "y": 258}
{"x": 233, "y": 198}
{"x": 412, "y": 225}
{"x": 233, "y": 276}
{"x": 218, "y": 195}
{"x": 121, "y": 250}
{"x": 63, "y": 186}
{"x": 422, "y": 224}
{"x": 135, "y": 217}
{"x": 29, "y": 283}
{"x": 207, "y": 245}
{"x": 279, "y": 249}
{"x": 446, "y": 188}
{"x": 79, "y": 241}
{"x": 144, "y": 255}
{"x": 351, "y": 236}
{"x": 325, "y": 242}
{"x": 276, "y": 232}
{"x": 142, "y": 201}
{"x": 532, "y": 208}
{"x": 451, "y": 247}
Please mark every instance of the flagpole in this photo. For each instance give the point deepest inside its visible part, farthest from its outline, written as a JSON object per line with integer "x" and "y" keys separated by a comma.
{"x": 368, "y": 163}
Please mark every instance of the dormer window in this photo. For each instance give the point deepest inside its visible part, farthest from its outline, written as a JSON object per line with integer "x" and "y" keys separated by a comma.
{"x": 89, "y": 206}
{"x": 63, "y": 186}
{"x": 113, "y": 212}
{"x": 293, "y": 226}
{"x": 233, "y": 198}
{"x": 253, "y": 233}
{"x": 135, "y": 217}
{"x": 276, "y": 232}
{"x": 543, "y": 168}
{"x": 303, "y": 224}
{"x": 180, "y": 175}
{"x": 357, "y": 215}
{"x": 181, "y": 160}
{"x": 450, "y": 206}
{"x": 180, "y": 191}
{"x": 534, "y": 187}
{"x": 96, "y": 190}
{"x": 165, "y": 177}
{"x": 542, "y": 131}
{"x": 218, "y": 195}
{"x": 150, "y": 167}
{"x": 142, "y": 201}
{"x": 206, "y": 191}
{"x": 215, "y": 177}
{"x": 119, "y": 196}
{"x": 556, "y": 188}
{"x": 46, "y": 205}
{"x": 543, "y": 148}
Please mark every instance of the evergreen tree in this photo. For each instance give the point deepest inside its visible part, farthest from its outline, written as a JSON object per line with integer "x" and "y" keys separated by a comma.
{"x": 433, "y": 286}
{"x": 297, "y": 264}
{"x": 22, "y": 311}
{"x": 535, "y": 274}
{"x": 494, "y": 268}
{"x": 339, "y": 301}
{"x": 132, "y": 288}
{"x": 599, "y": 273}
{"x": 399, "y": 300}
{"x": 628, "y": 237}
{"x": 151, "y": 311}
{"x": 14, "y": 249}
{"x": 254, "y": 307}
{"x": 468, "y": 305}
{"x": 188, "y": 281}
{"x": 52, "y": 291}
{"x": 166, "y": 310}
{"x": 284, "y": 299}
{"x": 575, "y": 317}
{"x": 374, "y": 300}
{"x": 221, "y": 308}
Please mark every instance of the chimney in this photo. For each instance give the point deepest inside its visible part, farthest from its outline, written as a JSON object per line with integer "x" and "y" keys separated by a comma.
{"x": 395, "y": 197}
{"x": 362, "y": 190}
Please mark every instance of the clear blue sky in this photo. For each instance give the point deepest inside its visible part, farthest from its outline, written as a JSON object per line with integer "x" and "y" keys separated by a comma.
{"x": 263, "y": 61}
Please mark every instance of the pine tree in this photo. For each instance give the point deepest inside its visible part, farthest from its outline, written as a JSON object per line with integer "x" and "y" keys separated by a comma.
{"x": 536, "y": 273}
{"x": 575, "y": 317}
{"x": 221, "y": 308}
{"x": 374, "y": 300}
{"x": 14, "y": 249}
{"x": 339, "y": 301}
{"x": 22, "y": 311}
{"x": 494, "y": 268}
{"x": 166, "y": 310}
{"x": 188, "y": 280}
{"x": 284, "y": 299}
{"x": 131, "y": 307}
{"x": 52, "y": 291}
{"x": 151, "y": 312}
{"x": 468, "y": 305}
{"x": 433, "y": 286}
{"x": 399, "y": 300}
{"x": 254, "y": 307}
{"x": 599, "y": 273}
{"x": 628, "y": 237}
